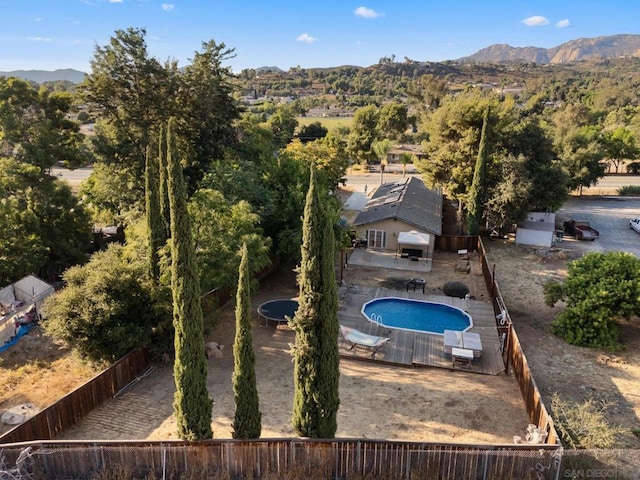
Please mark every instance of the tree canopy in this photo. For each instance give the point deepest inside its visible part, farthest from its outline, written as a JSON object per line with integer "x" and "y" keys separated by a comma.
{"x": 131, "y": 94}
{"x": 600, "y": 290}
{"x": 104, "y": 310}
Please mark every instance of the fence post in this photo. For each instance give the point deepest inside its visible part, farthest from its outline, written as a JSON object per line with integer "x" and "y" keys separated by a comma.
{"x": 508, "y": 349}
{"x": 485, "y": 470}
{"x": 493, "y": 282}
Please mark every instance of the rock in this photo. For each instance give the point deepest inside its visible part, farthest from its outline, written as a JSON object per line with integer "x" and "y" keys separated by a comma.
{"x": 213, "y": 350}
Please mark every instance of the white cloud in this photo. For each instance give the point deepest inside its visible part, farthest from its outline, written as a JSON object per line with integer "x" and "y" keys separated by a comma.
{"x": 306, "y": 38}
{"x": 38, "y": 39}
{"x": 115, "y": 1}
{"x": 535, "y": 21}
{"x": 167, "y": 7}
{"x": 365, "y": 12}
{"x": 563, "y": 23}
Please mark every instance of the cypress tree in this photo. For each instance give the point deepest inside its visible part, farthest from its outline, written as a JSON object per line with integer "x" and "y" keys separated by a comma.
{"x": 247, "y": 417}
{"x": 163, "y": 190}
{"x": 477, "y": 192}
{"x": 192, "y": 403}
{"x": 316, "y": 358}
{"x": 155, "y": 225}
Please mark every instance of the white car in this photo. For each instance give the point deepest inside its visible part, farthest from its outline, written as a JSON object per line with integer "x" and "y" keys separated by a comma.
{"x": 634, "y": 223}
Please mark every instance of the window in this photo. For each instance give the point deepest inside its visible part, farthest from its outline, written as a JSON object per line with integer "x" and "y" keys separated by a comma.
{"x": 376, "y": 238}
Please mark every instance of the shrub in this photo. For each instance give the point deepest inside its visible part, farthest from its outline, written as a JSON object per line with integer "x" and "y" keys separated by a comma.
{"x": 584, "y": 425}
{"x": 629, "y": 191}
{"x": 105, "y": 311}
{"x": 600, "y": 289}
{"x": 455, "y": 289}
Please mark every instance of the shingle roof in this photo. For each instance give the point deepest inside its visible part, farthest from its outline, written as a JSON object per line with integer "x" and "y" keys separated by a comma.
{"x": 408, "y": 200}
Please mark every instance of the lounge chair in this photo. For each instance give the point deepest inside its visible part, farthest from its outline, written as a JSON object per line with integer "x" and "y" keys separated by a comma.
{"x": 360, "y": 339}
{"x": 466, "y": 340}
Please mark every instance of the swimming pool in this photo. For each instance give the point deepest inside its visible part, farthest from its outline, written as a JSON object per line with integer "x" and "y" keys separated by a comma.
{"x": 416, "y": 315}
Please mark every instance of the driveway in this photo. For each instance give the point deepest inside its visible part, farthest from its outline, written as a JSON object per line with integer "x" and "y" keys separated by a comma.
{"x": 610, "y": 216}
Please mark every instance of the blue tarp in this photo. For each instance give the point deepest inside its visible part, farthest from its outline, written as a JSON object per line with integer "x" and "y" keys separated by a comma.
{"x": 21, "y": 332}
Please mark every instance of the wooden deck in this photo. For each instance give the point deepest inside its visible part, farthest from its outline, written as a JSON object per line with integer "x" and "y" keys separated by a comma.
{"x": 413, "y": 348}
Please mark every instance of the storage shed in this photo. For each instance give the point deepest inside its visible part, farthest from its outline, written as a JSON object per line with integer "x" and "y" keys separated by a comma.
{"x": 538, "y": 229}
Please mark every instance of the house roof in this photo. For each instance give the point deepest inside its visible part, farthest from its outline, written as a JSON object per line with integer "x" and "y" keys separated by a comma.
{"x": 409, "y": 201}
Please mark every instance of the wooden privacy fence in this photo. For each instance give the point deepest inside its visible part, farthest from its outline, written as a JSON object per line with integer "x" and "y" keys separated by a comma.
{"x": 69, "y": 410}
{"x": 66, "y": 412}
{"x": 287, "y": 458}
{"x": 452, "y": 243}
{"x": 513, "y": 355}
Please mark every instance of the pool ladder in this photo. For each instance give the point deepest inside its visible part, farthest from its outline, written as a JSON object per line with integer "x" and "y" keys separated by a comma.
{"x": 376, "y": 318}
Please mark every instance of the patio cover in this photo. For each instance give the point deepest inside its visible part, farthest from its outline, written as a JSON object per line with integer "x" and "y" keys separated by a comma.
{"x": 413, "y": 238}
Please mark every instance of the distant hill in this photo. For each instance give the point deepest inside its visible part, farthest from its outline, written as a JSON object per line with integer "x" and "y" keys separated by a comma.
{"x": 260, "y": 70}
{"x": 598, "y": 48}
{"x": 41, "y": 76}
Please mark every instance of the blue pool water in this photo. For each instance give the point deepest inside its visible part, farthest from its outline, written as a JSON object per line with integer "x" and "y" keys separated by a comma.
{"x": 416, "y": 315}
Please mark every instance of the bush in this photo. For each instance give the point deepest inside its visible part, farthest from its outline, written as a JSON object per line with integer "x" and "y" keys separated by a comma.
{"x": 629, "y": 191}
{"x": 600, "y": 289}
{"x": 104, "y": 311}
{"x": 584, "y": 425}
{"x": 455, "y": 289}
{"x": 586, "y": 328}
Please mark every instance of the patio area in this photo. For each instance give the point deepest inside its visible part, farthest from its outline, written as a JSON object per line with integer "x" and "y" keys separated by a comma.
{"x": 414, "y": 348}
{"x": 377, "y": 258}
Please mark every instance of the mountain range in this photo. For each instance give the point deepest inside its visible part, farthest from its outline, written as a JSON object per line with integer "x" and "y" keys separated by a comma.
{"x": 581, "y": 49}
{"x": 41, "y": 76}
{"x": 598, "y": 48}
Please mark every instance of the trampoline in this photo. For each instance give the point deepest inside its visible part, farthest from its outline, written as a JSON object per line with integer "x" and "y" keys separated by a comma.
{"x": 277, "y": 311}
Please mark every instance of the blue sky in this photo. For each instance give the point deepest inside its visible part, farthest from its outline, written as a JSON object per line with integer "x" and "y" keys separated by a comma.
{"x": 51, "y": 34}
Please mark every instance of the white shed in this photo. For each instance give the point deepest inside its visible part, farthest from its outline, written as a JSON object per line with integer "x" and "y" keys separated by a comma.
{"x": 538, "y": 229}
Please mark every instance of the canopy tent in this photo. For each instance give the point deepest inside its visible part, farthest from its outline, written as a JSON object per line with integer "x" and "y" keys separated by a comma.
{"x": 418, "y": 241}
{"x": 413, "y": 238}
{"x": 17, "y": 301}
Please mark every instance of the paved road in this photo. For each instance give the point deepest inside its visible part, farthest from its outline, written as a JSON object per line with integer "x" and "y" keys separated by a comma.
{"x": 74, "y": 177}
{"x": 610, "y": 217}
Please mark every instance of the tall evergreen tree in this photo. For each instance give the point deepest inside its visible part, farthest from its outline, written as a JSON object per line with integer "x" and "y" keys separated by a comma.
{"x": 155, "y": 224}
{"x": 163, "y": 190}
{"x": 316, "y": 357}
{"x": 477, "y": 192}
{"x": 192, "y": 403}
{"x": 247, "y": 417}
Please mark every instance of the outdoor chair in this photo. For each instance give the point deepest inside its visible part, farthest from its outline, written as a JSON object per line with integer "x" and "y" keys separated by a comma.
{"x": 356, "y": 338}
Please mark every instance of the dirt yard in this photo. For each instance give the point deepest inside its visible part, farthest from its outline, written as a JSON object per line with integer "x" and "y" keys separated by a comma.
{"x": 575, "y": 373}
{"x": 377, "y": 401}
{"x": 36, "y": 372}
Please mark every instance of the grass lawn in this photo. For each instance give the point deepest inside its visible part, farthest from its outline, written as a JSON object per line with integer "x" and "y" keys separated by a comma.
{"x": 330, "y": 123}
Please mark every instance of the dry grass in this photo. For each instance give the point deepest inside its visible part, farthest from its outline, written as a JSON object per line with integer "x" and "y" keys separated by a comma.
{"x": 39, "y": 371}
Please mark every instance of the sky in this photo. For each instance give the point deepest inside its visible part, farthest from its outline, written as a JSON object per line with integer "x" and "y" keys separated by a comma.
{"x": 53, "y": 34}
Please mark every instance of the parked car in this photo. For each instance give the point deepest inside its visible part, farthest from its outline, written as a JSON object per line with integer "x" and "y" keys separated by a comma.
{"x": 634, "y": 224}
{"x": 580, "y": 228}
